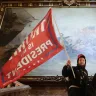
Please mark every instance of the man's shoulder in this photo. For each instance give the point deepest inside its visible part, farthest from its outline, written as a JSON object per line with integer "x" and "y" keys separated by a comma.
{"x": 86, "y": 71}
{"x": 75, "y": 67}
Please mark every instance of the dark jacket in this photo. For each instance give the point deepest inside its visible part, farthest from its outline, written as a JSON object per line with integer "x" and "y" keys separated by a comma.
{"x": 80, "y": 73}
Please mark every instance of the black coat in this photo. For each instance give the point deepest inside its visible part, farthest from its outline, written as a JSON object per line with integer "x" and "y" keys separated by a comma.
{"x": 80, "y": 73}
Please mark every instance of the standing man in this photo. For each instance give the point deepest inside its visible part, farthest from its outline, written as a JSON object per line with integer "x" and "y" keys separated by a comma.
{"x": 79, "y": 83}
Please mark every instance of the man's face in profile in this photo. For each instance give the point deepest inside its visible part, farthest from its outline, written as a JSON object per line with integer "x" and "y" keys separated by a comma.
{"x": 81, "y": 61}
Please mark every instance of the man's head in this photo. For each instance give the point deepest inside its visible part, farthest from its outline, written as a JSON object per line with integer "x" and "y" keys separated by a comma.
{"x": 81, "y": 61}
